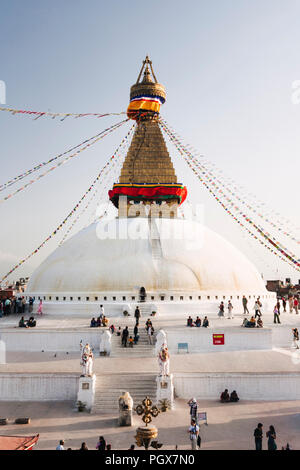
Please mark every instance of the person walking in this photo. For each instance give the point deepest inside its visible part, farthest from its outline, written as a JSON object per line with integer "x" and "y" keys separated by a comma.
{"x": 193, "y": 409}
{"x": 7, "y": 307}
{"x": 221, "y": 310}
{"x": 137, "y": 315}
{"x": 296, "y": 305}
{"x": 278, "y": 306}
{"x": 284, "y": 304}
{"x": 291, "y": 304}
{"x": 136, "y": 334}
{"x": 230, "y": 308}
{"x": 150, "y": 333}
{"x": 125, "y": 334}
{"x": 276, "y": 314}
{"x": 30, "y": 308}
{"x": 194, "y": 432}
{"x": 271, "y": 435}
{"x": 102, "y": 313}
{"x": 245, "y": 302}
{"x": 40, "y": 309}
{"x": 295, "y": 338}
{"x": 256, "y": 307}
{"x": 258, "y": 436}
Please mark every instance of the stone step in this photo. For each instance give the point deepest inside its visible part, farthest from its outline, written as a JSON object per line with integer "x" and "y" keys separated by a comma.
{"x": 113, "y": 387}
{"x": 131, "y": 380}
{"x": 109, "y": 388}
{"x": 137, "y": 397}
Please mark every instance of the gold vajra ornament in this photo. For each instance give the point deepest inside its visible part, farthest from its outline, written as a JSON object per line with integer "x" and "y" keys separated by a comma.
{"x": 145, "y": 434}
{"x": 147, "y": 410}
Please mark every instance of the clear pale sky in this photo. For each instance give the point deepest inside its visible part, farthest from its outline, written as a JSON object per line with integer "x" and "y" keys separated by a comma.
{"x": 228, "y": 67}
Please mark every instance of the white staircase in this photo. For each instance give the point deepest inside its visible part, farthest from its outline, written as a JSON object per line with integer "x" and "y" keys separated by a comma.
{"x": 109, "y": 388}
{"x": 157, "y": 253}
{"x": 142, "y": 348}
{"x": 145, "y": 309}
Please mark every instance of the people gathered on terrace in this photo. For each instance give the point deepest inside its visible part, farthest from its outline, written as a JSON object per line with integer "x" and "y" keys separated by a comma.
{"x": 226, "y": 398}
{"x": 101, "y": 321}
{"x": 198, "y": 322}
{"x": 31, "y": 323}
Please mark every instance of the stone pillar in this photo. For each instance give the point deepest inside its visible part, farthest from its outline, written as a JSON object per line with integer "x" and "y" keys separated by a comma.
{"x": 86, "y": 392}
{"x": 165, "y": 389}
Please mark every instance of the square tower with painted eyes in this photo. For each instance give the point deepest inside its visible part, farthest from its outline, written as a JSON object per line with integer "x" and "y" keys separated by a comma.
{"x": 148, "y": 185}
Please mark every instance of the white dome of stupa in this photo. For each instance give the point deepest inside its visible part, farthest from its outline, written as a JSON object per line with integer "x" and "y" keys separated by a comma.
{"x": 119, "y": 255}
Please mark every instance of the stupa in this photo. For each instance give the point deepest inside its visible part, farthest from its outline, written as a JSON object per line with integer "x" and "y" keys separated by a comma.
{"x": 182, "y": 265}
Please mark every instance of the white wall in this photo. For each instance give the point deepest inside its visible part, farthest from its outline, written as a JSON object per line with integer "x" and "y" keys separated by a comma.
{"x": 236, "y": 338}
{"x": 115, "y": 308}
{"x": 248, "y": 386}
{"x": 38, "y": 387}
{"x": 50, "y": 340}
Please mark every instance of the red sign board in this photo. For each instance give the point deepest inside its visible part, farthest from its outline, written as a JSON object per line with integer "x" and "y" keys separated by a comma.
{"x": 218, "y": 339}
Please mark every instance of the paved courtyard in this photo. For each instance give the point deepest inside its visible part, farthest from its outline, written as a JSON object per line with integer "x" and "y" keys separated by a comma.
{"x": 230, "y": 426}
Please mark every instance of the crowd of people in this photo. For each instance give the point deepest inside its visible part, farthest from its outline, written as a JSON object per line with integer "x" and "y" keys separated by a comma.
{"x": 270, "y": 435}
{"x": 101, "y": 445}
{"x": 198, "y": 322}
{"x": 133, "y": 339}
{"x": 15, "y": 305}
{"x": 101, "y": 319}
{"x": 252, "y": 323}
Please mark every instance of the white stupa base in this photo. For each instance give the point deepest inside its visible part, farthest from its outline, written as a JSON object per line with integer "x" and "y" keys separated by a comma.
{"x": 188, "y": 303}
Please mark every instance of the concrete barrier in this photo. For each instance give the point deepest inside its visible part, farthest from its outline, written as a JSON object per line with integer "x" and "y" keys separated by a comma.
{"x": 38, "y": 387}
{"x": 264, "y": 386}
{"x": 50, "y": 340}
{"x": 235, "y": 339}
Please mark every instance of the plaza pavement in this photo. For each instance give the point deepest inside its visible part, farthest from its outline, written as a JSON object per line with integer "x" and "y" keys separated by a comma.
{"x": 230, "y": 426}
{"x": 267, "y": 361}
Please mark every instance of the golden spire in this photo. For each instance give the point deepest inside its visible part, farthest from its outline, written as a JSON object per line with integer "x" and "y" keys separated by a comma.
{"x": 149, "y": 85}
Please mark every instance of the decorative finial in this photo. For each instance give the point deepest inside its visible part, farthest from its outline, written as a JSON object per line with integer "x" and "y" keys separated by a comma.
{"x": 146, "y": 96}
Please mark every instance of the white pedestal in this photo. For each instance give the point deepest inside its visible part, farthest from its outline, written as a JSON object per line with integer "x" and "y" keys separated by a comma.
{"x": 125, "y": 417}
{"x": 86, "y": 392}
{"x": 165, "y": 388}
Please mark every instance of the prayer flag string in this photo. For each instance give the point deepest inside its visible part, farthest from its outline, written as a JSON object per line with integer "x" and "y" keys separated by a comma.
{"x": 115, "y": 163}
{"x": 91, "y": 141}
{"x": 70, "y": 214}
{"x": 61, "y": 116}
{"x": 282, "y": 253}
{"x": 42, "y": 164}
{"x": 205, "y": 164}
